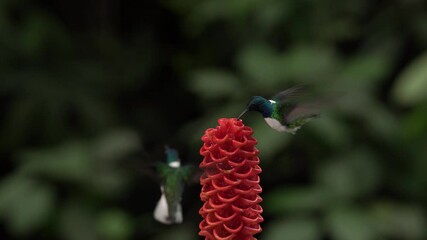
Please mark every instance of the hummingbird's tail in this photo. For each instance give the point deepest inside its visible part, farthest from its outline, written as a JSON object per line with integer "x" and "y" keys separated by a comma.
{"x": 161, "y": 212}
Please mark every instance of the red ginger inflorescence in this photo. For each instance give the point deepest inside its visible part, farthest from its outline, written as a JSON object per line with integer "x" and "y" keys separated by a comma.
{"x": 230, "y": 183}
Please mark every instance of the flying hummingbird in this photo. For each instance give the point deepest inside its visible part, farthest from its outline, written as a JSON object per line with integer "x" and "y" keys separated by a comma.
{"x": 173, "y": 177}
{"x": 286, "y": 111}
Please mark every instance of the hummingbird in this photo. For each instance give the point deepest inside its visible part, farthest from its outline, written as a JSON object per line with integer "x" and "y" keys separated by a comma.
{"x": 285, "y": 111}
{"x": 173, "y": 177}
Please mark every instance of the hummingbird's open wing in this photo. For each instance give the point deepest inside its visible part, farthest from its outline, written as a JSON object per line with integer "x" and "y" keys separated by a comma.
{"x": 293, "y": 103}
{"x": 301, "y": 110}
{"x": 152, "y": 171}
{"x": 190, "y": 174}
{"x": 296, "y": 91}
{"x": 308, "y": 107}
{"x": 298, "y": 102}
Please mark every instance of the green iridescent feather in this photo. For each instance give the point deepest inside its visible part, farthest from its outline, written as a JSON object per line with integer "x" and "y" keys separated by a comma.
{"x": 173, "y": 181}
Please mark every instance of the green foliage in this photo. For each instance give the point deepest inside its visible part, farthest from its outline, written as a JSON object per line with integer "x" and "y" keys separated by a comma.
{"x": 115, "y": 224}
{"x": 77, "y": 221}
{"x": 25, "y": 204}
{"x": 394, "y": 220}
{"x": 294, "y": 229}
{"x": 411, "y": 85}
{"x": 214, "y": 84}
{"x": 72, "y": 76}
{"x": 348, "y": 223}
{"x": 285, "y": 200}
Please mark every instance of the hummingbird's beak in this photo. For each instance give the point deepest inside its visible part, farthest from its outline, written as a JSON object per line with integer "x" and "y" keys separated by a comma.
{"x": 243, "y": 113}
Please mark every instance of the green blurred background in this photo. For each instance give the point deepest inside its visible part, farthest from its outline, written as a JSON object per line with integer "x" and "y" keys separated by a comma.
{"x": 90, "y": 91}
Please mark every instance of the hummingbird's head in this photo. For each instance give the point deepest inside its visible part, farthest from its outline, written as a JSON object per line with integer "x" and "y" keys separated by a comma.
{"x": 172, "y": 157}
{"x": 259, "y": 104}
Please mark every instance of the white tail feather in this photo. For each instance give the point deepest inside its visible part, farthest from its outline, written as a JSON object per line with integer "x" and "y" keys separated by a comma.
{"x": 161, "y": 213}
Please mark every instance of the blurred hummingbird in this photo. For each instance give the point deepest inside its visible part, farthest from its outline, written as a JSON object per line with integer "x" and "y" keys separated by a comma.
{"x": 173, "y": 177}
{"x": 285, "y": 112}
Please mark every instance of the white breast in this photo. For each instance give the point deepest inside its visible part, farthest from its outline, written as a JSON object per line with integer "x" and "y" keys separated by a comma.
{"x": 273, "y": 123}
{"x": 276, "y": 125}
{"x": 161, "y": 212}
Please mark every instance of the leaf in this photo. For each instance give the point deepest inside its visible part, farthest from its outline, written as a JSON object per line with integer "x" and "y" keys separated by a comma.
{"x": 294, "y": 229}
{"x": 308, "y": 63}
{"x": 399, "y": 221}
{"x": 348, "y": 223}
{"x": 269, "y": 15}
{"x": 77, "y": 222}
{"x": 351, "y": 175}
{"x": 214, "y": 83}
{"x": 178, "y": 232}
{"x": 332, "y": 131}
{"x": 382, "y": 123}
{"x": 32, "y": 210}
{"x": 25, "y": 204}
{"x": 115, "y": 145}
{"x": 115, "y": 224}
{"x": 263, "y": 67}
{"x": 12, "y": 189}
{"x": 16, "y": 122}
{"x": 269, "y": 69}
{"x": 35, "y": 33}
{"x": 364, "y": 71}
{"x": 68, "y": 162}
{"x": 294, "y": 199}
{"x": 108, "y": 182}
{"x": 411, "y": 85}
{"x": 415, "y": 123}
{"x": 233, "y": 11}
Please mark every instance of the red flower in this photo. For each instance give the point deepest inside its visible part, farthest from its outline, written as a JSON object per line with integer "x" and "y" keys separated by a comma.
{"x": 230, "y": 183}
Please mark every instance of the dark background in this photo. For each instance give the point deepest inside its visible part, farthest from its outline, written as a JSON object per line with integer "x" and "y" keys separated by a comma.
{"x": 91, "y": 91}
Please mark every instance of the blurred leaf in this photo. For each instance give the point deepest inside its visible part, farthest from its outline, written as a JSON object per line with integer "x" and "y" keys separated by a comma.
{"x": 331, "y": 130}
{"x": 32, "y": 210}
{"x": 115, "y": 145}
{"x": 25, "y": 204}
{"x": 108, "y": 177}
{"x": 269, "y": 14}
{"x": 415, "y": 123}
{"x": 34, "y": 34}
{"x": 263, "y": 66}
{"x": 347, "y": 223}
{"x": 214, "y": 84}
{"x": 16, "y": 123}
{"x": 356, "y": 102}
{"x": 294, "y": 229}
{"x": 352, "y": 175}
{"x": 308, "y": 63}
{"x": 206, "y": 12}
{"x": 94, "y": 164}
{"x": 77, "y": 222}
{"x": 399, "y": 221}
{"x": 382, "y": 123}
{"x": 270, "y": 70}
{"x": 286, "y": 199}
{"x": 12, "y": 189}
{"x": 411, "y": 85}
{"x": 179, "y": 232}
{"x": 115, "y": 225}
{"x": 363, "y": 71}
{"x": 108, "y": 182}
{"x": 68, "y": 162}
